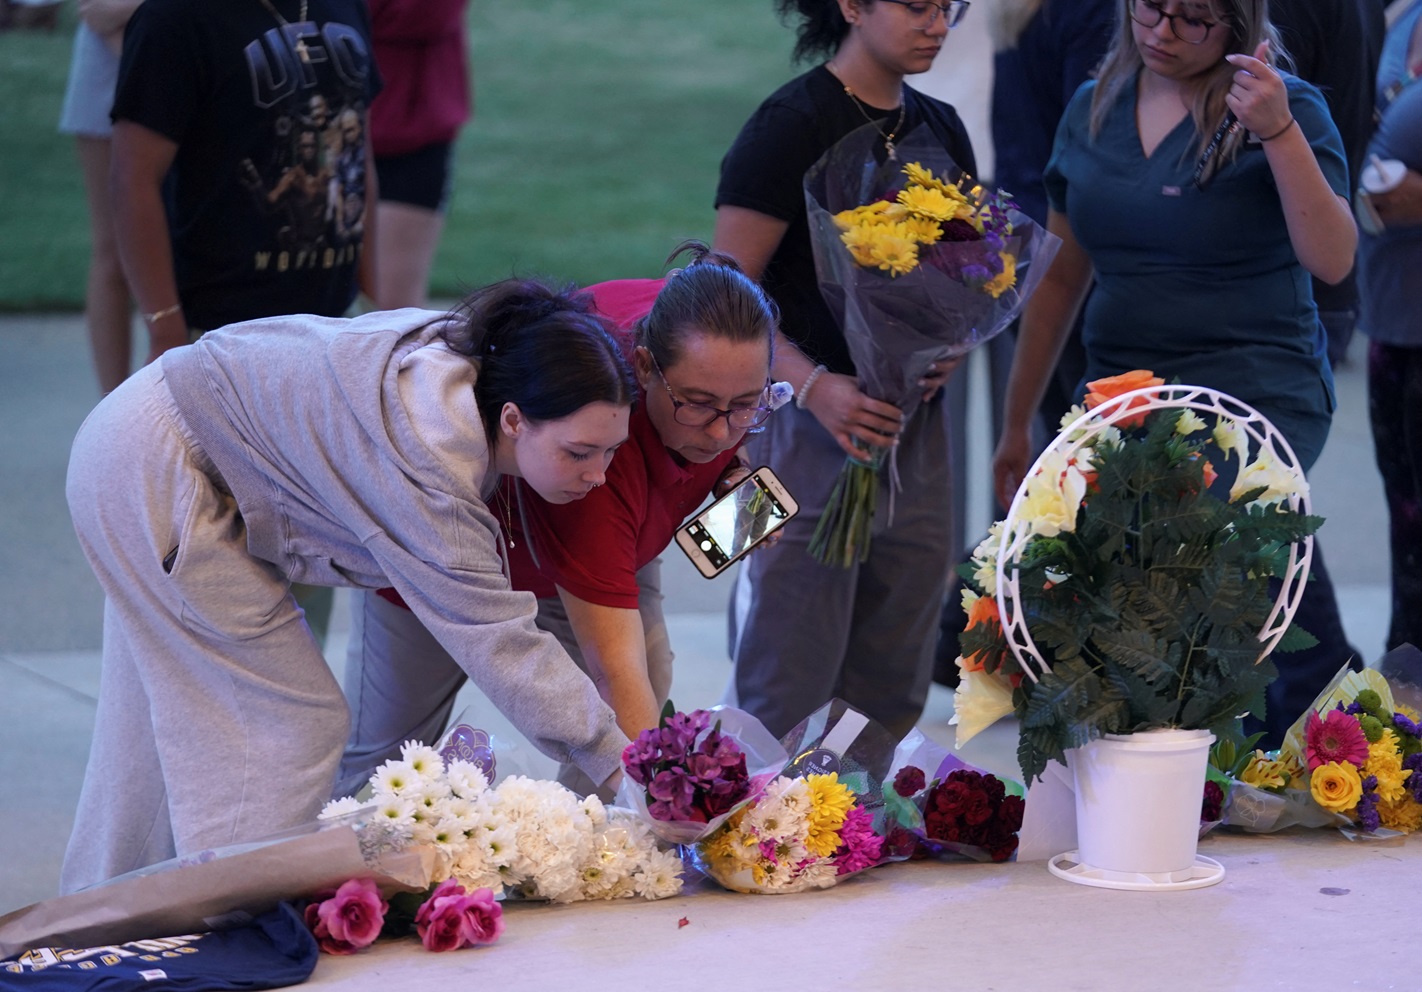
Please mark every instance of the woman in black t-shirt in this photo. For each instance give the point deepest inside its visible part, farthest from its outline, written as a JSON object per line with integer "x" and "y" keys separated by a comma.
{"x": 803, "y": 632}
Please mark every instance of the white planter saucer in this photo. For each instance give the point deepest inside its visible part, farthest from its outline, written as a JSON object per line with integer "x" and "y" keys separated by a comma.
{"x": 1204, "y": 872}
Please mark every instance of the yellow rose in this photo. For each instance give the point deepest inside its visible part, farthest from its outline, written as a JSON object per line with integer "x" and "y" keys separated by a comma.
{"x": 1336, "y": 786}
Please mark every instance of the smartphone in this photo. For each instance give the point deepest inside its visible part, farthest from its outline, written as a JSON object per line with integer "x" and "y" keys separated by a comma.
{"x": 737, "y": 522}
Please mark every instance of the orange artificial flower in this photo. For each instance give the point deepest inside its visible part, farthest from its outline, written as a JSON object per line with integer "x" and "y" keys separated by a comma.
{"x": 983, "y": 611}
{"x": 1099, "y": 391}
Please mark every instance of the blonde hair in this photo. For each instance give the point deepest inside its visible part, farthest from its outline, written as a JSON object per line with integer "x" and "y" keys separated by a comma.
{"x": 1247, "y": 22}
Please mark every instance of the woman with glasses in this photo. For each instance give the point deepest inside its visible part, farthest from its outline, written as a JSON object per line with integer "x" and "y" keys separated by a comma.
{"x": 700, "y": 343}
{"x": 1200, "y": 187}
{"x": 803, "y": 632}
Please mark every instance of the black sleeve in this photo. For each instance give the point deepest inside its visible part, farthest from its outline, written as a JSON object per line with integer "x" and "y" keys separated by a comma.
{"x": 765, "y": 168}
{"x": 160, "y": 76}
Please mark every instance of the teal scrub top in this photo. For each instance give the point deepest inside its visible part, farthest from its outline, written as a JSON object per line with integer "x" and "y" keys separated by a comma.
{"x": 1198, "y": 284}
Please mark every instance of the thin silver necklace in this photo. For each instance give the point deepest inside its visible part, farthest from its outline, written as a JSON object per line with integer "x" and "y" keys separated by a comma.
{"x": 286, "y": 25}
{"x": 888, "y": 136}
{"x": 506, "y": 504}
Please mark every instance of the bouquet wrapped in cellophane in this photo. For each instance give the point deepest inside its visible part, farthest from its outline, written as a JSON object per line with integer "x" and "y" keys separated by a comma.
{"x": 919, "y": 264}
{"x": 821, "y": 819}
{"x": 1353, "y": 760}
{"x": 949, "y": 808}
{"x": 687, "y": 775}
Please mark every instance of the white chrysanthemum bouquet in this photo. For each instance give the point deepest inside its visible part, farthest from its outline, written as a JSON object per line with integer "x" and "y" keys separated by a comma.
{"x": 529, "y": 837}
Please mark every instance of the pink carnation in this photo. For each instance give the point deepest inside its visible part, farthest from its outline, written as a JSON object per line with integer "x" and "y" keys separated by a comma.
{"x": 860, "y": 846}
{"x": 451, "y": 919}
{"x": 348, "y": 919}
{"x": 1335, "y": 737}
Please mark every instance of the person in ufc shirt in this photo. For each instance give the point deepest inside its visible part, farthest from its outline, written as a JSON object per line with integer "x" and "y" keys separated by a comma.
{"x": 222, "y": 166}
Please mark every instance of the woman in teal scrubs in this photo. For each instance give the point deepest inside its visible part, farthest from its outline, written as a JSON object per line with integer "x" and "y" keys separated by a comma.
{"x": 1200, "y": 188}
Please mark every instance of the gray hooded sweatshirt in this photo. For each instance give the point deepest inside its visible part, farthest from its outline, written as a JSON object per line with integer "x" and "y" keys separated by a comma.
{"x": 357, "y": 457}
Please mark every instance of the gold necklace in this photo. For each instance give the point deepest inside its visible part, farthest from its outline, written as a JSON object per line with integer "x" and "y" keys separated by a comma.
{"x": 503, "y": 500}
{"x": 887, "y": 136}
{"x": 286, "y": 27}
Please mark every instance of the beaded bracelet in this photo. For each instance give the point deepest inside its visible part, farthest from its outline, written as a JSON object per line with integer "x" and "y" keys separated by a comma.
{"x": 805, "y": 386}
{"x": 1280, "y": 133}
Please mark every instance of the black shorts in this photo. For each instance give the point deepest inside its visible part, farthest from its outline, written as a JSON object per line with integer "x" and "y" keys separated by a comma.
{"x": 420, "y": 178}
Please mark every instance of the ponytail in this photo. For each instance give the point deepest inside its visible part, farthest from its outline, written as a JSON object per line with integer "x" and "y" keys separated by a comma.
{"x": 821, "y": 29}
{"x": 712, "y": 296}
{"x": 542, "y": 349}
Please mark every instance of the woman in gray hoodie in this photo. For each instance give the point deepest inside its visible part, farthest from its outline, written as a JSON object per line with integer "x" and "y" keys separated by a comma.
{"x": 332, "y": 452}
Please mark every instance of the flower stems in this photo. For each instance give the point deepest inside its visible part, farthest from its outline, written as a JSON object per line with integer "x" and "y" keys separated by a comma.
{"x": 842, "y": 535}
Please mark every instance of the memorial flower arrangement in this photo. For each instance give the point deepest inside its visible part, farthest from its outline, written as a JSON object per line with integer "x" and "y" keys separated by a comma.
{"x": 523, "y": 837}
{"x": 1142, "y": 586}
{"x": 800, "y": 833}
{"x": 918, "y": 264}
{"x": 690, "y": 772}
{"x": 448, "y": 918}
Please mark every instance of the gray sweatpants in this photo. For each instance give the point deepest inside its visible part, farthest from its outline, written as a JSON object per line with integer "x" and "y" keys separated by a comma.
{"x": 802, "y": 633}
{"x": 401, "y": 683}
{"x": 218, "y": 719}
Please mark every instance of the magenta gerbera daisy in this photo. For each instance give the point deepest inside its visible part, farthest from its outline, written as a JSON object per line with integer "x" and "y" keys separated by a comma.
{"x": 1335, "y": 737}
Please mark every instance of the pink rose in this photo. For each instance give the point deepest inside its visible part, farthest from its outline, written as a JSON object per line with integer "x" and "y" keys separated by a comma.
{"x": 451, "y": 919}
{"x": 348, "y": 919}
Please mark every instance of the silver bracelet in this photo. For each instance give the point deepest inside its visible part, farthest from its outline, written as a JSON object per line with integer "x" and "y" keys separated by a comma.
{"x": 805, "y": 386}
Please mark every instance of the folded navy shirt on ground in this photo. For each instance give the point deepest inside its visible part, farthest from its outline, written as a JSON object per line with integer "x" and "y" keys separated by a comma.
{"x": 273, "y": 951}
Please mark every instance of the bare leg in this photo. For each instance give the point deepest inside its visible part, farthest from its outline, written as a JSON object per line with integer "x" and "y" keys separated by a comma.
{"x": 107, "y": 305}
{"x": 406, "y": 237}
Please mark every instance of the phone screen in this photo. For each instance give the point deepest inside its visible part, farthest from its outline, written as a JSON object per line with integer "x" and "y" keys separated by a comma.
{"x": 730, "y": 526}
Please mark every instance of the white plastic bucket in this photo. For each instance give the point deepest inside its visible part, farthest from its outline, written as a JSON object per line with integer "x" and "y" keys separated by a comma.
{"x": 1138, "y": 800}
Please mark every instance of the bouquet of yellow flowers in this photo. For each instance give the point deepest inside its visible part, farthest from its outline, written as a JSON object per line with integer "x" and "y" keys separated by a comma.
{"x": 918, "y": 264}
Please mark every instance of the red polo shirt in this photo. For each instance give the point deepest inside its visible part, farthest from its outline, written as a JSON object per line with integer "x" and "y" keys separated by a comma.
{"x": 593, "y": 547}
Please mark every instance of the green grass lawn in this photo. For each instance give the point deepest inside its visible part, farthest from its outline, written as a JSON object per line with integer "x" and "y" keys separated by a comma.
{"x": 595, "y": 146}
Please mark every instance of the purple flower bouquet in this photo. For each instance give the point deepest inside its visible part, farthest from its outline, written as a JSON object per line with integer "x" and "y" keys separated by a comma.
{"x": 689, "y": 773}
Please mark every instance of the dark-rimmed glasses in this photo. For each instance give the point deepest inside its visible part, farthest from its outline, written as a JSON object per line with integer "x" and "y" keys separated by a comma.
{"x": 925, "y": 12}
{"x": 1189, "y": 29}
{"x": 741, "y": 418}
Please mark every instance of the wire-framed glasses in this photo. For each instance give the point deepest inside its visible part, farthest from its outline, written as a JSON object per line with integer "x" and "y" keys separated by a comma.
{"x": 925, "y": 12}
{"x": 739, "y": 418}
{"x": 1187, "y": 27}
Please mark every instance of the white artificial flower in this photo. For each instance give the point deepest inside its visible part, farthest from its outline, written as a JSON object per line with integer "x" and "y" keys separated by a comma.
{"x": 1232, "y": 438}
{"x": 979, "y": 701}
{"x": 1278, "y": 481}
{"x": 340, "y": 807}
{"x": 985, "y": 557}
{"x": 1189, "y": 423}
{"x": 1072, "y": 416}
{"x": 1054, "y": 495}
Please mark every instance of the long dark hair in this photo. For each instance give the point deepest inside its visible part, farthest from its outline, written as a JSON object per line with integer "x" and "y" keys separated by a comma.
{"x": 711, "y": 295}
{"x": 821, "y": 27}
{"x": 1247, "y": 22}
{"x": 540, "y": 348}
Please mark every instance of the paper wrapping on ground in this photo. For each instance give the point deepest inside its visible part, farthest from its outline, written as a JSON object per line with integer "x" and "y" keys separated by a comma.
{"x": 197, "y": 897}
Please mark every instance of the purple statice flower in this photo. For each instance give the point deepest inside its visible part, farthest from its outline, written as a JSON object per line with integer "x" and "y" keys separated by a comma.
{"x": 1405, "y": 725}
{"x": 994, "y": 241}
{"x": 860, "y": 847}
{"x": 1368, "y": 805}
{"x": 976, "y": 274}
{"x": 1413, "y": 762}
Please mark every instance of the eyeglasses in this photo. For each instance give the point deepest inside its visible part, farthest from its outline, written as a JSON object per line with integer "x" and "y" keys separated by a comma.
{"x": 925, "y": 12}
{"x": 1189, "y": 29}
{"x": 741, "y": 418}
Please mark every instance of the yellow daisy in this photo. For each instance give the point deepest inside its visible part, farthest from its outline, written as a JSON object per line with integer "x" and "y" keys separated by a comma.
{"x": 931, "y": 203}
{"x": 894, "y": 254}
{"x": 1005, "y": 279}
{"x": 1404, "y": 815}
{"x": 922, "y": 230}
{"x": 830, "y": 802}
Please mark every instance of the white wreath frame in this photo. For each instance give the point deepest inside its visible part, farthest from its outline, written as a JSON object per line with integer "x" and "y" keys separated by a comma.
{"x": 1084, "y": 431}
